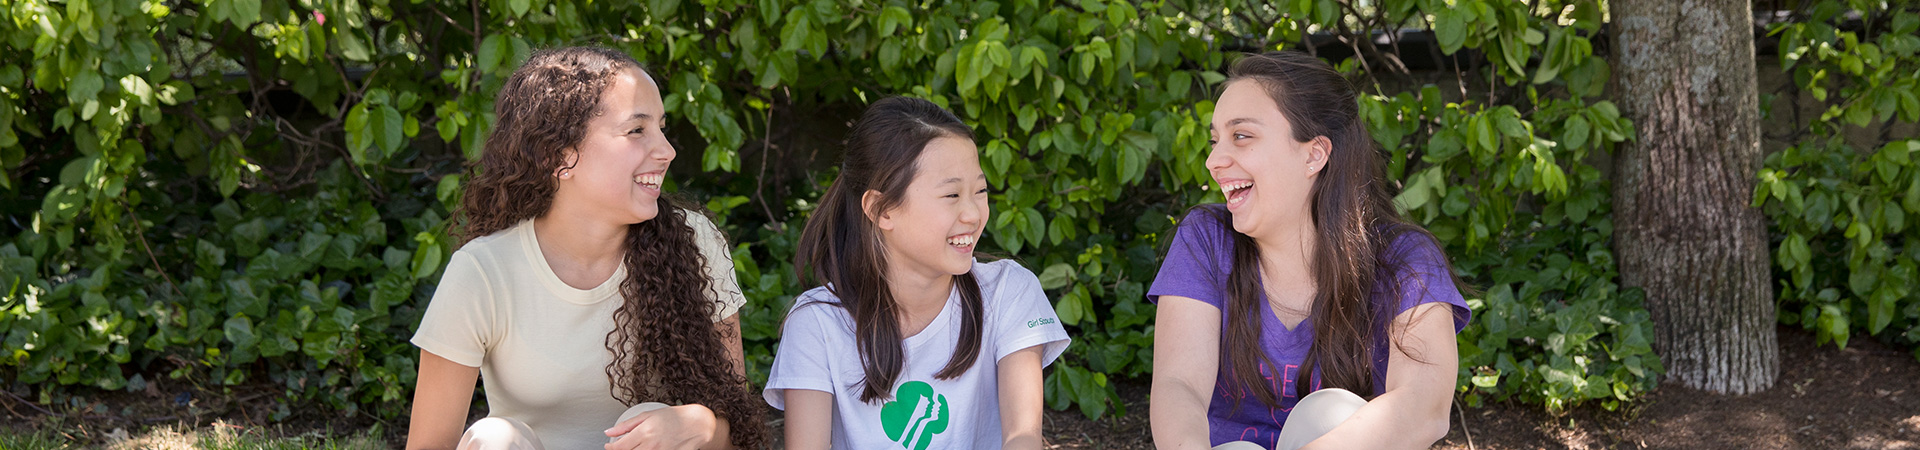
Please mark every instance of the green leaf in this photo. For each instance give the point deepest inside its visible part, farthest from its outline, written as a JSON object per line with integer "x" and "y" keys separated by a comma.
{"x": 1212, "y": 78}
{"x": 448, "y": 191}
{"x": 1415, "y": 193}
{"x": 1508, "y": 121}
{"x": 351, "y": 46}
{"x": 239, "y": 331}
{"x": 426, "y": 259}
{"x": 1898, "y": 151}
{"x": 388, "y": 128}
{"x": 1577, "y": 132}
{"x": 1833, "y": 326}
{"x": 1070, "y": 307}
{"x": 1483, "y": 129}
{"x": 1798, "y": 249}
{"x": 491, "y": 50}
{"x": 889, "y": 55}
{"x": 1880, "y": 309}
{"x": 1450, "y": 28}
{"x": 244, "y": 13}
{"x": 892, "y": 17}
{"x": 84, "y": 87}
{"x": 1036, "y": 225}
{"x": 1056, "y": 276}
{"x": 665, "y": 8}
{"x": 1911, "y": 200}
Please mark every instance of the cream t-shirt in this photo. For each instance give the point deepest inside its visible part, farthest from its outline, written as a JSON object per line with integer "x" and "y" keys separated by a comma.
{"x": 539, "y": 343}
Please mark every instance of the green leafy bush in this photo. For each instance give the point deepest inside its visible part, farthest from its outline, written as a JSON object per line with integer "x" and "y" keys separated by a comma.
{"x": 1831, "y": 198}
{"x": 228, "y": 190}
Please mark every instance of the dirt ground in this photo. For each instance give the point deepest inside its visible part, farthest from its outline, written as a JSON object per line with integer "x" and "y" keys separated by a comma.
{"x": 1864, "y": 397}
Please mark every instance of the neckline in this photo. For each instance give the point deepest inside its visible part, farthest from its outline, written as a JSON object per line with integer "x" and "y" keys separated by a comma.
{"x": 1271, "y": 314}
{"x": 939, "y": 324}
{"x": 560, "y": 289}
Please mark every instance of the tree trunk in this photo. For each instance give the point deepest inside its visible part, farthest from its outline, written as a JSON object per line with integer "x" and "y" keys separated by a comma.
{"x": 1684, "y": 73}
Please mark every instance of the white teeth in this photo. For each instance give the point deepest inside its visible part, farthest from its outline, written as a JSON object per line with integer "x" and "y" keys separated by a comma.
{"x": 1229, "y": 189}
{"x": 962, "y": 241}
{"x": 649, "y": 179}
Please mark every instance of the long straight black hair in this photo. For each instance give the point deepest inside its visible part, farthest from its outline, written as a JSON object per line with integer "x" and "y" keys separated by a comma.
{"x": 1355, "y": 227}
{"x": 842, "y": 248}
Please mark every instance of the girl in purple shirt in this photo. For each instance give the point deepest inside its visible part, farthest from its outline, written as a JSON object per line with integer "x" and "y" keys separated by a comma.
{"x": 1306, "y": 281}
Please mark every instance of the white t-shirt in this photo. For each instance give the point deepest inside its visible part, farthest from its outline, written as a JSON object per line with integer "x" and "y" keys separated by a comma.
{"x": 539, "y": 343}
{"x": 818, "y": 352}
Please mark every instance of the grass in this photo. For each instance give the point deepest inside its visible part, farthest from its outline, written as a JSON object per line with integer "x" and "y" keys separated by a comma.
{"x": 217, "y": 437}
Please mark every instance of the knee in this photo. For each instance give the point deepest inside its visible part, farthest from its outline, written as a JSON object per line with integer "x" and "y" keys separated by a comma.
{"x": 1335, "y": 398}
{"x": 499, "y": 433}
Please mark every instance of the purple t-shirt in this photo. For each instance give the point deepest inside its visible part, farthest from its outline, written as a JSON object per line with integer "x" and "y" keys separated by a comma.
{"x": 1196, "y": 267}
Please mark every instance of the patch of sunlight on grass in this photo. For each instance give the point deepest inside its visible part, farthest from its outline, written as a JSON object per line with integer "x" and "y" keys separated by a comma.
{"x": 39, "y": 440}
{"x": 218, "y": 437}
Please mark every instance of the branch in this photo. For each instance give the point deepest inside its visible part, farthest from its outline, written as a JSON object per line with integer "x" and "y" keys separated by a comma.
{"x": 140, "y": 232}
{"x": 456, "y": 24}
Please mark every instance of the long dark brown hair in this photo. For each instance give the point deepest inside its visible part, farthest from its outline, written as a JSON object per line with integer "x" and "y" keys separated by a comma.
{"x": 1355, "y": 225}
{"x": 665, "y": 346}
{"x": 843, "y": 248}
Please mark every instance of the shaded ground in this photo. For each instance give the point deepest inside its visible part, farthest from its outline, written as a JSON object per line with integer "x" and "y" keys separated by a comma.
{"x": 1864, "y": 397}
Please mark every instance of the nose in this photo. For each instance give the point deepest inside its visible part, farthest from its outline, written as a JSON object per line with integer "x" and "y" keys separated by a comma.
{"x": 975, "y": 212}
{"x": 664, "y": 150}
{"x": 1217, "y": 159}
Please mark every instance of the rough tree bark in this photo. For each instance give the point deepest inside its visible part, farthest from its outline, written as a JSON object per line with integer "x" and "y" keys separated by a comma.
{"x": 1684, "y": 73}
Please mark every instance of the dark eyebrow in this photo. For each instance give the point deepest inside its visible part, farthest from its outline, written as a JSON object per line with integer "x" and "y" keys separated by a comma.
{"x": 953, "y": 180}
{"x": 1238, "y": 121}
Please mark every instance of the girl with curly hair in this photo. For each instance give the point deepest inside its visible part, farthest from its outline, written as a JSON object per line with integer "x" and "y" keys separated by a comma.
{"x": 580, "y": 291}
{"x": 911, "y": 343}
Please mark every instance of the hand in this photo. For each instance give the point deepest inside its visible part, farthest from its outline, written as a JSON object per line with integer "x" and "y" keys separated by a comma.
{"x": 684, "y": 427}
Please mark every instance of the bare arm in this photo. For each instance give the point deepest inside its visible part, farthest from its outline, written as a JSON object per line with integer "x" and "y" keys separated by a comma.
{"x": 1186, "y": 360}
{"x": 1421, "y": 368}
{"x": 809, "y": 419}
{"x": 1021, "y": 398}
{"x": 440, "y": 401}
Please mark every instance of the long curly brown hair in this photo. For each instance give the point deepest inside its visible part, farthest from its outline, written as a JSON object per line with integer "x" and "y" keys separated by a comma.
{"x": 665, "y": 346}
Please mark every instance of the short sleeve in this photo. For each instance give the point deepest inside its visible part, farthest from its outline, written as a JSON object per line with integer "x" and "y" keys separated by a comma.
{"x": 802, "y": 361}
{"x": 1195, "y": 262}
{"x": 459, "y": 322}
{"x": 1023, "y": 317}
{"x": 713, "y": 246}
{"x": 1419, "y": 267}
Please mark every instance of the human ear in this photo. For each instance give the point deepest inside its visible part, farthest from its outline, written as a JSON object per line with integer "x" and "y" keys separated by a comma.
{"x": 868, "y": 201}
{"x": 1318, "y": 150}
{"x": 569, "y": 158}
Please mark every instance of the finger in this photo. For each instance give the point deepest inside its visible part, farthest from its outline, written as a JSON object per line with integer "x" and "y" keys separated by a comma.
{"x": 631, "y": 441}
{"x": 627, "y": 426}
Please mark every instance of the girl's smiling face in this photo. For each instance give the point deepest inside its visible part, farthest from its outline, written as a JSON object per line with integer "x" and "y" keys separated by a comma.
{"x": 1264, "y": 171}
{"x": 940, "y": 217}
{"x": 617, "y": 170}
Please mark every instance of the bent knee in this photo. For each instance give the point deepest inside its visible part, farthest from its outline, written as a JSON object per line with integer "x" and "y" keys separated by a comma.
{"x": 499, "y": 433}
